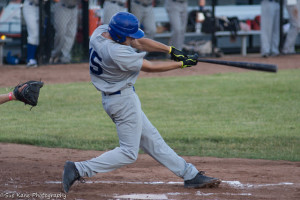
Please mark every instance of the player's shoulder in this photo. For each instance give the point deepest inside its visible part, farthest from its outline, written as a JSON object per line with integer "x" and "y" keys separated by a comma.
{"x": 126, "y": 55}
{"x": 121, "y": 51}
{"x": 98, "y": 31}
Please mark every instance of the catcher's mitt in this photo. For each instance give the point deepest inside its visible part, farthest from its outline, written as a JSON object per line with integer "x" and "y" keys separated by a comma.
{"x": 30, "y": 93}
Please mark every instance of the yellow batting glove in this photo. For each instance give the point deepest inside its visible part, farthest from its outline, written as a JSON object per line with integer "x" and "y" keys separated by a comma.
{"x": 190, "y": 61}
{"x": 176, "y": 54}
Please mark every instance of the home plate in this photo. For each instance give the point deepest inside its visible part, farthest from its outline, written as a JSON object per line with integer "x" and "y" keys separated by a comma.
{"x": 142, "y": 196}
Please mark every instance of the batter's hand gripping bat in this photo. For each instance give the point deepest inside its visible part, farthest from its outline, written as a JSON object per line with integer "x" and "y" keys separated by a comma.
{"x": 244, "y": 65}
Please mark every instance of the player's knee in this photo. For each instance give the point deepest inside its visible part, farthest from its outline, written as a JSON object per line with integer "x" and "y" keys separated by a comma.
{"x": 131, "y": 155}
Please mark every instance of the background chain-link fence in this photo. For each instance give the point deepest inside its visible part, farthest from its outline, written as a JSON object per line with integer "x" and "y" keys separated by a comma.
{"x": 14, "y": 27}
{"x": 79, "y": 49}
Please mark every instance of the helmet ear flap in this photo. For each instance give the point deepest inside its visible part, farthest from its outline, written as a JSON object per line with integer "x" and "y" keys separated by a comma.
{"x": 115, "y": 35}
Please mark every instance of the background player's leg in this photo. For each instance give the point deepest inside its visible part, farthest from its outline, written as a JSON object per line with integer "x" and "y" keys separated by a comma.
{"x": 70, "y": 34}
{"x": 60, "y": 30}
{"x": 109, "y": 10}
{"x": 31, "y": 17}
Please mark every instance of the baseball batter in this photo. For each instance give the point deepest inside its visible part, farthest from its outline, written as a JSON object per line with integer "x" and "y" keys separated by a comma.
{"x": 31, "y": 17}
{"x": 114, "y": 68}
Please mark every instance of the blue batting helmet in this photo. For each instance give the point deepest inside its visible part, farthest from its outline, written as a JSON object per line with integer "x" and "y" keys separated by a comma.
{"x": 122, "y": 25}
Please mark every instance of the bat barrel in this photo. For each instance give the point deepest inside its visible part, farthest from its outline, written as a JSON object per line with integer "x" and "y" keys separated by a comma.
{"x": 244, "y": 65}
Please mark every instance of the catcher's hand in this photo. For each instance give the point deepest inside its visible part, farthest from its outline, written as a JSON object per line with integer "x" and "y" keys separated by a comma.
{"x": 29, "y": 92}
{"x": 177, "y": 55}
{"x": 190, "y": 61}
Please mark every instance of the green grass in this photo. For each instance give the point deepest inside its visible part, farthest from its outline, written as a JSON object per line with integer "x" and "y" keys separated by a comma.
{"x": 244, "y": 115}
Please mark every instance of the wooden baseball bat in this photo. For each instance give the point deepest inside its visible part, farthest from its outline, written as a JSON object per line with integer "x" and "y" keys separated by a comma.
{"x": 244, "y": 65}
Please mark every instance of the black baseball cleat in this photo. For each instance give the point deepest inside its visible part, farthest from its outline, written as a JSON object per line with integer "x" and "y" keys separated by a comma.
{"x": 201, "y": 181}
{"x": 70, "y": 175}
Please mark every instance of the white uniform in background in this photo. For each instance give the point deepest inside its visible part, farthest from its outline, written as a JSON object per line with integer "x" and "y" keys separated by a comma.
{"x": 270, "y": 28}
{"x": 111, "y": 7}
{"x": 178, "y": 16}
{"x": 31, "y": 17}
{"x": 143, "y": 10}
{"x": 293, "y": 8}
{"x": 65, "y": 24}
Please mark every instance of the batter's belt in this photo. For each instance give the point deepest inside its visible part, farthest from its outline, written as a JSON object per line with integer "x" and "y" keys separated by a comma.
{"x": 124, "y": 91}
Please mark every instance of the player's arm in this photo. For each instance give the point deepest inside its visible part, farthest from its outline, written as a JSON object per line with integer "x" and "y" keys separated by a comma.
{"x": 145, "y": 44}
{"x": 7, "y": 97}
{"x": 149, "y": 45}
{"x": 149, "y": 66}
{"x": 11, "y": 95}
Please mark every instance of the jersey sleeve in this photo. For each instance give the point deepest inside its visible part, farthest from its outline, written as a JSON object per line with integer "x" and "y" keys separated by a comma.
{"x": 127, "y": 59}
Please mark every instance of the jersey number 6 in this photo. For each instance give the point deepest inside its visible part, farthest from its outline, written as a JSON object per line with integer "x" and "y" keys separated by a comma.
{"x": 95, "y": 66}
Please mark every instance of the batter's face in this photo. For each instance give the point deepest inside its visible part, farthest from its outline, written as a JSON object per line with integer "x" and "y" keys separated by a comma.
{"x": 128, "y": 41}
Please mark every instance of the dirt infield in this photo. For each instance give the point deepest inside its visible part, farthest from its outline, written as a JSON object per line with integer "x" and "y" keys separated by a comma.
{"x": 34, "y": 171}
{"x": 29, "y": 172}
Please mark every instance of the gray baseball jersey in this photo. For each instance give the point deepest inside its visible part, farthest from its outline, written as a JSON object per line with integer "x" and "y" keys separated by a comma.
{"x": 114, "y": 69}
{"x": 118, "y": 70}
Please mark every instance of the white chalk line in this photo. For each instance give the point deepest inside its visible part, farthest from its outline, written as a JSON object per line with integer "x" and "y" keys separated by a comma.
{"x": 142, "y": 196}
{"x": 198, "y": 193}
{"x": 238, "y": 184}
{"x": 165, "y": 196}
{"x": 234, "y": 184}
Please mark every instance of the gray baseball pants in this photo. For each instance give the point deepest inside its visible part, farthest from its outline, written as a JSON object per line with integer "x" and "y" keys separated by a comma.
{"x": 270, "y": 25}
{"x": 134, "y": 131}
{"x": 31, "y": 16}
{"x": 65, "y": 24}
